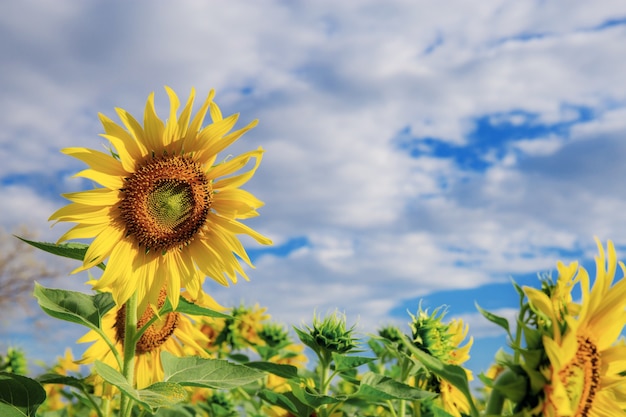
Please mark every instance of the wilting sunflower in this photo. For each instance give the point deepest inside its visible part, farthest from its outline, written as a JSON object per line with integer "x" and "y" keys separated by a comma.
{"x": 586, "y": 361}
{"x": 172, "y": 332}
{"x": 167, "y": 211}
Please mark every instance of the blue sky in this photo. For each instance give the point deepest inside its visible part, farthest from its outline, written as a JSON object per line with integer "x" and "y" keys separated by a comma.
{"x": 414, "y": 150}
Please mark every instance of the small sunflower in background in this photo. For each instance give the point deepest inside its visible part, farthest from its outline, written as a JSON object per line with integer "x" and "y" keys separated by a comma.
{"x": 443, "y": 341}
{"x": 171, "y": 332}
{"x": 586, "y": 361}
{"x": 167, "y": 212}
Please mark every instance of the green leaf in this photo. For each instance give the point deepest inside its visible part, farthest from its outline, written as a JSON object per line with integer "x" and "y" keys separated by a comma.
{"x": 209, "y": 373}
{"x": 307, "y": 339}
{"x": 156, "y": 395}
{"x": 344, "y": 362}
{"x": 500, "y": 321}
{"x": 19, "y": 396}
{"x": 73, "y": 306}
{"x": 67, "y": 250}
{"x": 187, "y": 307}
{"x": 70, "y": 381}
{"x": 163, "y": 394}
{"x": 511, "y": 385}
{"x": 176, "y": 411}
{"x": 286, "y": 401}
{"x": 454, "y": 374}
{"x": 281, "y": 370}
{"x": 314, "y": 399}
{"x": 377, "y": 387}
{"x": 278, "y": 399}
{"x": 114, "y": 377}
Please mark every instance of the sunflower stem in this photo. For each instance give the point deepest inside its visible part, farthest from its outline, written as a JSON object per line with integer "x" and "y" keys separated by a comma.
{"x": 495, "y": 404}
{"x": 126, "y": 405}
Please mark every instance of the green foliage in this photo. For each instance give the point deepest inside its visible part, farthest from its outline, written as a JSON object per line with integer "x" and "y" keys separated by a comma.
{"x": 73, "y": 306}
{"x": 157, "y": 395}
{"x": 14, "y": 362}
{"x": 375, "y": 387}
{"x": 67, "y": 250}
{"x": 209, "y": 373}
{"x": 19, "y": 396}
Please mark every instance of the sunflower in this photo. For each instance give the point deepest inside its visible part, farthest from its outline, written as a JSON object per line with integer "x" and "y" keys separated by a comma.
{"x": 172, "y": 332}
{"x": 584, "y": 376}
{"x": 167, "y": 212}
{"x": 452, "y": 399}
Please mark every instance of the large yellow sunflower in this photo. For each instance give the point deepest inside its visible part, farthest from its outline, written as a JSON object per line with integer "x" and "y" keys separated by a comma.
{"x": 167, "y": 211}
{"x": 172, "y": 332}
{"x": 585, "y": 357}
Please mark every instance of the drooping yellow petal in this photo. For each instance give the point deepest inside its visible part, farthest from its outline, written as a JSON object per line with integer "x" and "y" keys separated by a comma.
{"x": 101, "y": 247}
{"x": 234, "y": 226}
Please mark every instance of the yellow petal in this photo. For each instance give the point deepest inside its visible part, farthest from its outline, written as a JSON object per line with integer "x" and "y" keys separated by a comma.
{"x": 98, "y": 161}
{"x": 153, "y": 127}
{"x": 95, "y": 197}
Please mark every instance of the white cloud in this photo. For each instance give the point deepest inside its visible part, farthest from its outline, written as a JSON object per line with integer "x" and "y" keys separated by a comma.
{"x": 332, "y": 84}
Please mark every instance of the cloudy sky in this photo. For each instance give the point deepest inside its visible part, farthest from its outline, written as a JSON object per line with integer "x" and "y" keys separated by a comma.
{"x": 414, "y": 149}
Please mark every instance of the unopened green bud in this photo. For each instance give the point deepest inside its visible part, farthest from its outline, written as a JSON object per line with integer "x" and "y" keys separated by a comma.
{"x": 274, "y": 334}
{"x": 329, "y": 335}
{"x": 431, "y": 335}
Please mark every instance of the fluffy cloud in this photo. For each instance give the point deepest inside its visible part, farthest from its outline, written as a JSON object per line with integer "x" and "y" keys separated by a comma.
{"x": 335, "y": 84}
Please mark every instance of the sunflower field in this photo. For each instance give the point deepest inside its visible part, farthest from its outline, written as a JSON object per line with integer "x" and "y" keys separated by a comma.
{"x": 167, "y": 213}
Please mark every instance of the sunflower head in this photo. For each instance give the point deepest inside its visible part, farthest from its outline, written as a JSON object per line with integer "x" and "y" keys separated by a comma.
{"x": 571, "y": 359}
{"x": 168, "y": 211}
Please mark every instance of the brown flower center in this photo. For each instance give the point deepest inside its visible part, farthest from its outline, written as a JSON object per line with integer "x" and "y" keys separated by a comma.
{"x": 158, "y": 332}
{"x": 581, "y": 377}
{"x": 166, "y": 202}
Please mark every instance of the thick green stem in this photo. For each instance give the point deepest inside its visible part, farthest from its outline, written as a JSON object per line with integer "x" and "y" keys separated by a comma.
{"x": 130, "y": 344}
{"x": 496, "y": 398}
{"x": 324, "y": 367}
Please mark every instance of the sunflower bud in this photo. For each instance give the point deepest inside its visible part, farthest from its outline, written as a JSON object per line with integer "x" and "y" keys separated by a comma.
{"x": 328, "y": 335}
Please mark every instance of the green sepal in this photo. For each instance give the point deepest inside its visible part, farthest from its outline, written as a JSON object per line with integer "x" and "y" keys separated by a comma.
{"x": 71, "y": 250}
{"x": 160, "y": 394}
{"x": 307, "y": 339}
{"x": 454, "y": 374}
{"x": 495, "y": 319}
{"x": 20, "y": 396}
{"x": 209, "y": 373}
{"x": 376, "y": 387}
{"x": 74, "y": 306}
